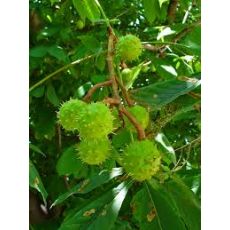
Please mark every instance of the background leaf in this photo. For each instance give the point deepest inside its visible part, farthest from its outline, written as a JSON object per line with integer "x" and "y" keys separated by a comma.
{"x": 69, "y": 163}
{"x": 176, "y": 204}
{"x": 51, "y": 95}
{"x": 36, "y": 182}
{"x": 151, "y": 9}
{"x": 161, "y": 93}
{"x": 87, "y": 9}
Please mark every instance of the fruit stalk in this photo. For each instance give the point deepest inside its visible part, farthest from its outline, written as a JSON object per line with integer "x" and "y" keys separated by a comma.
{"x": 133, "y": 120}
{"x": 110, "y": 63}
{"x": 94, "y": 88}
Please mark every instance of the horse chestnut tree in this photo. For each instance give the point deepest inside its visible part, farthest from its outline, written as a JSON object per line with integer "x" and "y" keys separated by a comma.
{"x": 114, "y": 115}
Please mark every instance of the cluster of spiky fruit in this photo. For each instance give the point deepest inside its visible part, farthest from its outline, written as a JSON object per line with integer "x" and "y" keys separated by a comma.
{"x": 128, "y": 47}
{"x": 141, "y": 160}
{"x": 94, "y": 122}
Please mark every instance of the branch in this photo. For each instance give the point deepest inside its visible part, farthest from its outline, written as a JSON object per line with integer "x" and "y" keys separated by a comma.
{"x": 172, "y": 10}
{"x": 94, "y": 88}
{"x": 110, "y": 62}
{"x": 111, "y": 101}
{"x": 194, "y": 95}
{"x": 185, "y": 31}
{"x": 133, "y": 120}
{"x": 125, "y": 93}
{"x": 189, "y": 144}
{"x": 151, "y": 47}
{"x": 60, "y": 70}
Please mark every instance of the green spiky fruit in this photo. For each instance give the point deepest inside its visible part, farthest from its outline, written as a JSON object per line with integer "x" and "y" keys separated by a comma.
{"x": 141, "y": 160}
{"x": 141, "y": 115}
{"x": 96, "y": 122}
{"x": 129, "y": 47}
{"x": 126, "y": 74}
{"x": 94, "y": 151}
{"x": 80, "y": 24}
{"x": 69, "y": 114}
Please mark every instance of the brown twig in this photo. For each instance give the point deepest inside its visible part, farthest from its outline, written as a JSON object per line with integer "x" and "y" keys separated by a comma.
{"x": 111, "y": 101}
{"x": 194, "y": 95}
{"x": 59, "y": 138}
{"x": 133, "y": 120}
{"x": 110, "y": 54}
{"x": 172, "y": 10}
{"x": 94, "y": 88}
{"x": 151, "y": 47}
{"x": 185, "y": 31}
{"x": 125, "y": 93}
{"x": 198, "y": 139}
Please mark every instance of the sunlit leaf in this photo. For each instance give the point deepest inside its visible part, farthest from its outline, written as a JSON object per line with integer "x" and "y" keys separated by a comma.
{"x": 90, "y": 184}
{"x": 151, "y": 9}
{"x": 162, "y": 93}
{"x": 100, "y": 213}
{"x": 87, "y": 9}
{"x": 168, "y": 149}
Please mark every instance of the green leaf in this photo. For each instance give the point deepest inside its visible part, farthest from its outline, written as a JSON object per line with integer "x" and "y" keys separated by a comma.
{"x": 143, "y": 210}
{"x": 69, "y": 163}
{"x": 161, "y": 2}
{"x": 100, "y": 213}
{"x": 167, "y": 214}
{"x": 58, "y": 52}
{"x": 193, "y": 41}
{"x": 168, "y": 149}
{"x": 164, "y": 69}
{"x": 36, "y": 149}
{"x": 38, "y": 92}
{"x": 53, "y": 1}
{"x": 151, "y": 9}
{"x": 87, "y": 9}
{"x": 52, "y": 96}
{"x": 129, "y": 79}
{"x": 38, "y": 51}
{"x": 175, "y": 203}
{"x": 192, "y": 179}
{"x": 36, "y": 182}
{"x": 44, "y": 122}
{"x": 187, "y": 203}
{"x": 91, "y": 43}
{"x": 90, "y": 184}
{"x": 161, "y": 93}
{"x": 121, "y": 138}
{"x": 109, "y": 214}
{"x": 121, "y": 225}
{"x": 100, "y": 62}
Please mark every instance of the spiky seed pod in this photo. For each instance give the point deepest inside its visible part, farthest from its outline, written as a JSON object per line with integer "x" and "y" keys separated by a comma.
{"x": 70, "y": 113}
{"x": 94, "y": 151}
{"x": 96, "y": 122}
{"x": 128, "y": 47}
{"x": 141, "y": 160}
{"x": 141, "y": 115}
{"x": 80, "y": 24}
